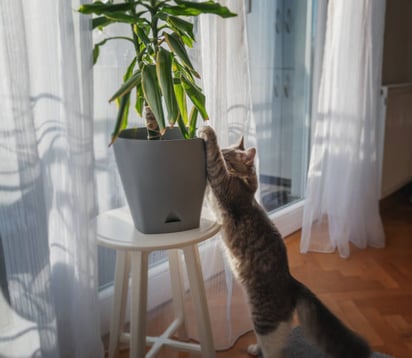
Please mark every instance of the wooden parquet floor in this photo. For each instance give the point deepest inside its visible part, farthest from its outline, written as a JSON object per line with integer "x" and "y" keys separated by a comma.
{"x": 371, "y": 291}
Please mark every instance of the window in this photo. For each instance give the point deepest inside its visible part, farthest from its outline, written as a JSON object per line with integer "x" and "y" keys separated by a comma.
{"x": 280, "y": 37}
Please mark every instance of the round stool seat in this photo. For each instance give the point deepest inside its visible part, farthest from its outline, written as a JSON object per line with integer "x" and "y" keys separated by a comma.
{"x": 115, "y": 229}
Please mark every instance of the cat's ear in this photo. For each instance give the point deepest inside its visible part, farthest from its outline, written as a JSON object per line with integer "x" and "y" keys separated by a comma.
{"x": 251, "y": 153}
{"x": 241, "y": 144}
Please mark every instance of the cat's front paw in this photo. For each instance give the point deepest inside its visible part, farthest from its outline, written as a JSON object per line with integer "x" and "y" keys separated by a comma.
{"x": 207, "y": 133}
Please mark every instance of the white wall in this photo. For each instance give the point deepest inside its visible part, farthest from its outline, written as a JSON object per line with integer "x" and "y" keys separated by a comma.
{"x": 397, "y": 141}
{"x": 397, "y": 80}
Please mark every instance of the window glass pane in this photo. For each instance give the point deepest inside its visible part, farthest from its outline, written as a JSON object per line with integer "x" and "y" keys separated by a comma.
{"x": 280, "y": 37}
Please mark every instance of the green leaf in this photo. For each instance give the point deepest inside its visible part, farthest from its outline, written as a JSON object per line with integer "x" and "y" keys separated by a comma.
{"x": 186, "y": 72}
{"x": 101, "y": 22}
{"x": 122, "y": 116}
{"x": 182, "y": 127}
{"x": 96, "y": 52}
{"x": 181, "y": 25}
{"x": 189, "y": 8}
{"x": 130, "y": 81}
{"x": 193, "y": 121}
{"x": 196, "y": 96}
{"x": 142, "y": 35}
{"x": 183, "y": 28}
{"x": 120, "y": 17}
{"x": 164, "y": 74}
{"x": 176, "y": 46}
{"x": 130, "y": 69}
{"x": 139, "y": 105}
{"x": 152, "y": 94}
{"x": 181, "y": 101}
{"x": 99, "y": 7}
{"x": 127, "y": 86}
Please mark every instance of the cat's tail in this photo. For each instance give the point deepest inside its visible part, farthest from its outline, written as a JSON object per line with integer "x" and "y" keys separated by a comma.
{"x": 326, "y": 330}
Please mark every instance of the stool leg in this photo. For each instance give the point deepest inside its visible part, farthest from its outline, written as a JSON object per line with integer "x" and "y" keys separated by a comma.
{"x": 197, "y": 288}
{"x": 177, "y": 291}
{"x": 138, "y": 308}
{"x": 121, "y": 285}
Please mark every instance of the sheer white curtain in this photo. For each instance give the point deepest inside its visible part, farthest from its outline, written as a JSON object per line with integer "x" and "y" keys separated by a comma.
{"x": 224, "y": 63}
{"x": 342, "y": 192}
{"x": 225, "y": 72}
{"x": 48, "y": 307}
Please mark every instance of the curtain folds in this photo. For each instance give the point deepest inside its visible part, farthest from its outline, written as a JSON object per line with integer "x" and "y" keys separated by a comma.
{"x": 57, "y": 173}
{"x": 224, "y": 63}
{"x": 49, "y": 305}
{"x": 341, "y": 204}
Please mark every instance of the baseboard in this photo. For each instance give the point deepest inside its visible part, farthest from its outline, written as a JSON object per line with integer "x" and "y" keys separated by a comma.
{"x": 289, "y": 219}
{"x": 385, "y": 192}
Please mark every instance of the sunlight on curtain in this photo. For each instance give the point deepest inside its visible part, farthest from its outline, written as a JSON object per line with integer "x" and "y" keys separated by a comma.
{"x": 49, "y": 306}
{"x": 226, "y": 80}
{"x": 342, "y": 191}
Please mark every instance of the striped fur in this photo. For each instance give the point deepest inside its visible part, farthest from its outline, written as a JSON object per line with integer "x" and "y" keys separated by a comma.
{"x": 258, "y": 258}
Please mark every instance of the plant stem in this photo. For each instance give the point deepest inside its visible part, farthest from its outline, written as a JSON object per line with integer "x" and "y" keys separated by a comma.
{"x": 153, "y": 132}
{"x": 152, "y": 127}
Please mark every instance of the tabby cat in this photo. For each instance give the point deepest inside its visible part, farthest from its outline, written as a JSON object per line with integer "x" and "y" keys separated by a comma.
{"x": 257, "y": 255}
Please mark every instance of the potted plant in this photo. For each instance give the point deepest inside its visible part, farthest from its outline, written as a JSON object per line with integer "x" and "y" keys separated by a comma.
{"x": 163, "y": 178}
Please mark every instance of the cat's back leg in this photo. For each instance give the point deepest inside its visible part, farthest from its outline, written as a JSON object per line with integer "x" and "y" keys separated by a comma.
{"x": 254, "y": 350}
{"x": 270, "y": 345}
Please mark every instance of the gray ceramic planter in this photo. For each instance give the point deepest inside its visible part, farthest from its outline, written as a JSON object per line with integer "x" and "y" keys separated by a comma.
{"x": 164, "y": 180}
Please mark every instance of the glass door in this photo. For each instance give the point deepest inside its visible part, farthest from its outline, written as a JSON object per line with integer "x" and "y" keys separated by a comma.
{"x": 280, "y": 48}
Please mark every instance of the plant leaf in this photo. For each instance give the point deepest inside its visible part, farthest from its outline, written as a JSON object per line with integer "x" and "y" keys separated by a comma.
{"x": 119, "y": 16}
{"x": 181, "y": 101}
{"x": 193, "y": 122}
{"x": 182, "y": 127}
{"x": 181, "y": 25}
{"x": 176, "y": 45}
{"x": 189, "y": 8}
{"x": 142, "y": 36}
{"x": 196, "y": 96}
{"x": 164, "y": 75}
{"x": 139, "y": 105}
{"x": 122, "y": 116}
{"x": 183, "y": 28}
{"x": 100, "y": 8}
{"x": 127, "y": 86}
{"x": 100, "y": 22}
{"x": 130, "y": 69}
{"x": 96, "y": 52}
{"x": 152, "y": 94}
{"x": 183, "y": 71}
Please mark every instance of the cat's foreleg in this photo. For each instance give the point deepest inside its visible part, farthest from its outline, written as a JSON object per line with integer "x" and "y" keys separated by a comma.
{"x": 270, "y": 345}
{"x": 216, "y": 167}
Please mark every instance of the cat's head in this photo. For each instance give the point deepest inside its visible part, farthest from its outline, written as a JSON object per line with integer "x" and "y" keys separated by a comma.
{"x": 240, "y": 161}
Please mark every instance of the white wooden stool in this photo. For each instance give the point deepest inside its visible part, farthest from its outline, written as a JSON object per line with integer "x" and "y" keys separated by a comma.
{"x": 115, "y": 229}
